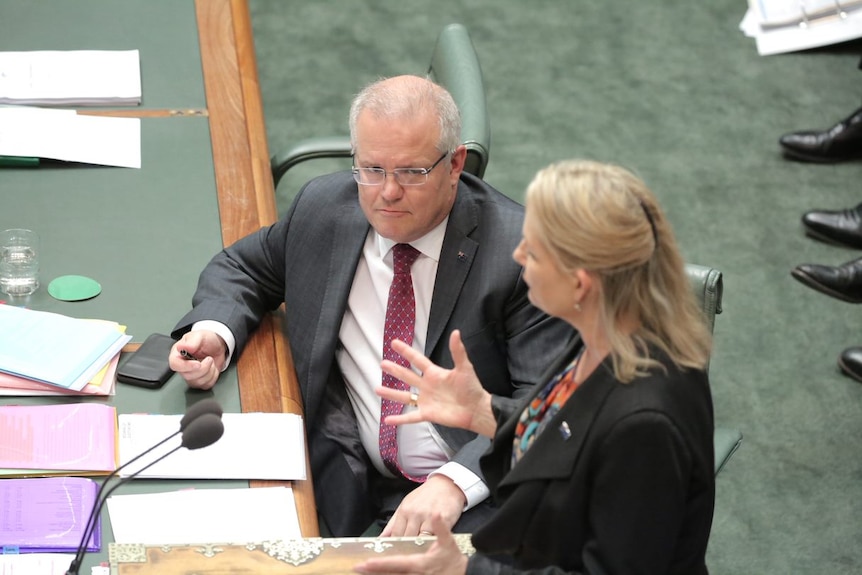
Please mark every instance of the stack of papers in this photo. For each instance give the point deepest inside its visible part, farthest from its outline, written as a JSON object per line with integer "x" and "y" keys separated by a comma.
{"x": 47, "y": 515}
{"x": 245, "y": 451}
{"x": 62, "y": 439}
{"x": 71, "y": 78}
{"x": 56, "y": 350}
{"x": 781, "y": 26}
{"x": 103, "y": 383}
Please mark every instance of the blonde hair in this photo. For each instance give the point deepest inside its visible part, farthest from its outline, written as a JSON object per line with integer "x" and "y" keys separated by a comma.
{"x": 602, "y": 218}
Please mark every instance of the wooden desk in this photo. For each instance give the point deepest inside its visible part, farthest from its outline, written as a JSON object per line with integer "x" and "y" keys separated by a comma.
{"x": 241, "y": 159}
{"x": 308, "y": 556}
{"x": 246, "y": 199}
{"x": 176, "y": 113}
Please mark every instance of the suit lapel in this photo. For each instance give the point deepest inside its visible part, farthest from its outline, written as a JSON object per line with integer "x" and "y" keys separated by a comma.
{"x": 349, "y": 237}
{"x": 456, "y": 259}
{"x": 554, "y": 453}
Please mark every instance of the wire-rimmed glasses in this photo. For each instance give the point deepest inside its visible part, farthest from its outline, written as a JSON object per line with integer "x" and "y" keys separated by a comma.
{"x": 404, "y": 176}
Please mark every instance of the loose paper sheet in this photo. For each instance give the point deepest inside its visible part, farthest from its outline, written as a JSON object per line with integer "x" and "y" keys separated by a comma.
{"x": 66, "y": 135}
{"x": 35, "y": 564}
{"x": 254, "y": 446}
{"x": 205, "y": 516}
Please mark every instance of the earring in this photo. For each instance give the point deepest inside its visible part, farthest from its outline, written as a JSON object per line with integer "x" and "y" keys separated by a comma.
{"x": 577, "y": 306}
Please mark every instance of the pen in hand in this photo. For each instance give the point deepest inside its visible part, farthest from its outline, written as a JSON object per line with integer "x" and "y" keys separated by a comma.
{"x": 187, "y": 355}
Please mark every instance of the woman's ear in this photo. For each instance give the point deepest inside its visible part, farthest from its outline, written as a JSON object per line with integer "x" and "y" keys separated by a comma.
{"x": 582, "y": 282}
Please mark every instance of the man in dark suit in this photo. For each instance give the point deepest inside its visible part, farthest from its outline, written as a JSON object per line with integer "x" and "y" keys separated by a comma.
{"x": 330, "y": 260}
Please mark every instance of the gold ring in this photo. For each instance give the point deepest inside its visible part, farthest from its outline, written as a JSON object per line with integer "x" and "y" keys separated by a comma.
{"x": 414, "y": 401}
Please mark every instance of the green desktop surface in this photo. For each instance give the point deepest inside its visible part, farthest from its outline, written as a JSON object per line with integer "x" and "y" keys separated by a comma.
{"x": 143, "y": 234}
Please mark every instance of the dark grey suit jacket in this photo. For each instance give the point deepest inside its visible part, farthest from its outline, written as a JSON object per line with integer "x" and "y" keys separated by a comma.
{"x": 308, "y": 259}
{"x": 620, "y": 482}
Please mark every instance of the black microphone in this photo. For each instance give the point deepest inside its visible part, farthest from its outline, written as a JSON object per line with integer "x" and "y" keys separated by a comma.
{"x": 208, "y": 405}
{"x": 200, "y": 426}
{"x": 202, "y": 407}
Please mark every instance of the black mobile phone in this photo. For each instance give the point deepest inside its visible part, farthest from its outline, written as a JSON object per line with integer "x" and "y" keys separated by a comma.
{"x": 148, "y": 367}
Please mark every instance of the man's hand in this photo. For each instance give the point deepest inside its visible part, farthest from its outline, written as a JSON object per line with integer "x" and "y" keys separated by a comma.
{"x": 443, "y": 558}
{"x": 198, "y": 357}
{"x": 437, "y": 496}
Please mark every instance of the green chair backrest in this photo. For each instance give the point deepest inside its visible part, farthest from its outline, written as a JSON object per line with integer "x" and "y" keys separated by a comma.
{"x": 455, "y": 66}
{"x": 708, "y": 288}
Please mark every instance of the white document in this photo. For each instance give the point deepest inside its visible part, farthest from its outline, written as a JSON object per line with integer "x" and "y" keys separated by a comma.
{"x": 69, "y": 78}
{"x": 254, "y": 446}
{"x": 35, "y": 563}
{"x": 198, "y": 516}
{"x": 781, "y": 26}
{"x": 775, "y": 13}
{"x": 65, "y": 135}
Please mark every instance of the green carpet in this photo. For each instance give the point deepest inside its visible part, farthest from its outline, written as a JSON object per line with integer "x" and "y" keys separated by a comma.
{"x": 673, "y": 90}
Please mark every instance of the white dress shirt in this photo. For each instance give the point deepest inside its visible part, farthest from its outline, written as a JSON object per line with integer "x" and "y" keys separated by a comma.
{"x": 421, "y": 450}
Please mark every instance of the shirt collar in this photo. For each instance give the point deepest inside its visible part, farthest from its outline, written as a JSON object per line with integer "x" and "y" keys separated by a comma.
{"x": 430, "y": 245}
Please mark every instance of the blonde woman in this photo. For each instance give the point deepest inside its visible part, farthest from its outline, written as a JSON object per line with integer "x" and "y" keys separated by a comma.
{"x": 608, "y": 466}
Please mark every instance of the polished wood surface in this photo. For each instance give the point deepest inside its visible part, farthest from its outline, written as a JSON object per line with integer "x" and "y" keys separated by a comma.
{"x": 267, "y": 377}
{"x": 309, "y": 556}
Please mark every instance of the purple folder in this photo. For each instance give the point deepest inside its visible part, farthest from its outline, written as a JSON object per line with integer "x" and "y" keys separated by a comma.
{"x": 47, "y": 514}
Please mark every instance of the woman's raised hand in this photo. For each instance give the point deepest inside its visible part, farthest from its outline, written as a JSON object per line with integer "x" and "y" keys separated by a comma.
{"x": 453, "y": 397}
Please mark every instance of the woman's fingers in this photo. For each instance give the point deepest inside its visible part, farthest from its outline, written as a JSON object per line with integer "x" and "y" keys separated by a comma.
{"x": 418, "y": 360}
{"x": 393, "y": 394}
{"x": 458, "y": 351}
{"x": 405, "y": 374}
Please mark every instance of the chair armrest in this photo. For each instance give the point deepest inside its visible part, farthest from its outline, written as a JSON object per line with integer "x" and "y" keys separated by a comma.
{"x": 727, "y": 441}
{"x": 708, "y": 288}
{"x": 309, "y": 149}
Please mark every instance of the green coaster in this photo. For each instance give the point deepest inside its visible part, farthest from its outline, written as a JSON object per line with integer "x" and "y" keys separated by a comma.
{"x": 74, "y": 288}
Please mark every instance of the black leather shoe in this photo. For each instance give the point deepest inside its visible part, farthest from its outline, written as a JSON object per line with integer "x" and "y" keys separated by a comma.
{"x": 841, "y": 142}
{"x": 843, "y": 282}
{"x": 842, "y": 227}
{"x": 850, "y": 362}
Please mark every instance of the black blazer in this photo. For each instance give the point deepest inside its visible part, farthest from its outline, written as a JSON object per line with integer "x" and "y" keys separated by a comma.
{"x": 308, "y": 259}
{"x": 620, "y": 482}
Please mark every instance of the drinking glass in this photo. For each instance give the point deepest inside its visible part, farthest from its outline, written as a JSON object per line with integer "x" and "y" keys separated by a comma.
{"x": 19, "y": 262}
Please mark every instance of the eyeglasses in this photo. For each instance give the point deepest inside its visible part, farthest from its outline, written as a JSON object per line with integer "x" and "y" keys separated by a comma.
{"x": 404, "y": 176}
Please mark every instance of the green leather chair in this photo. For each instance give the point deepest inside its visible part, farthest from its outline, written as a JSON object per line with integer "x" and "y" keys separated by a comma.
{"x": 455, "y": 66}
{"x": 708, "y": 287}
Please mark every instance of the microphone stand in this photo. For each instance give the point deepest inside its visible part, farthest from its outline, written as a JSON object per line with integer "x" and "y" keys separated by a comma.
{"x": 202, "y": 429}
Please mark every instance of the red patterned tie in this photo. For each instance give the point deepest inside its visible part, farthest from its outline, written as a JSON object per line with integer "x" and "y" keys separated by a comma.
{"x": 400, "y": 323}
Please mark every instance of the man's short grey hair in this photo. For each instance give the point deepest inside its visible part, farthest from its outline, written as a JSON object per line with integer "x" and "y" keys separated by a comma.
{"x": 404, "y": 100}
